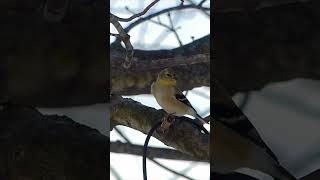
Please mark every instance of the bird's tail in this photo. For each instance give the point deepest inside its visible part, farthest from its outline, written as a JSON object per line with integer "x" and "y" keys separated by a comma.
{"x": 201, "y": 119}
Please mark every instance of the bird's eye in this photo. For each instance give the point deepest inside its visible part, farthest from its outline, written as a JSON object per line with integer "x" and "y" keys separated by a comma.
{"x": 169, "y": 75}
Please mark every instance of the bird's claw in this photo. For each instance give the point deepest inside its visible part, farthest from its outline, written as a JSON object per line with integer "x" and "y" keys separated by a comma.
{"x": 167, "y": 120}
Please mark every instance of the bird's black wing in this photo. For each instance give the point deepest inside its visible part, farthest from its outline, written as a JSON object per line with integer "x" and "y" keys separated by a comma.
{"x": 182, "y": 98}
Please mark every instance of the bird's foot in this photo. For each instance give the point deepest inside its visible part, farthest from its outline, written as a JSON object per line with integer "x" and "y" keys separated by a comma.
{"x": 167, "y": 120}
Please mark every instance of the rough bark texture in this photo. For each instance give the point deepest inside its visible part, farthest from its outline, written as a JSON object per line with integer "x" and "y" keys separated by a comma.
{"x": 181, "y": 135}
{"x": 190, "y": 62}
{"x": 35, "y": 146}
{"x": 256, "y": 47}
{"x": 54, "y": 63}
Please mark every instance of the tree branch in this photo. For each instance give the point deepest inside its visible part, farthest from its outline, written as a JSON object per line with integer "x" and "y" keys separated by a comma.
{"x": 170, "y": 28}
{"x": 152, "y": 159}
{"x": 164, "y": 11}
{"x": 190, "y": 62}
{"x": 138, "y": 14}
{"x": 181, "y": 135}
{"x": 125, "y": 38}
{"x": 119, "y": 147}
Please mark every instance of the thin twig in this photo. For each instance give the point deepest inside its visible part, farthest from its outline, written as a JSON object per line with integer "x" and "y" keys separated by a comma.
{"x": 175, "y": 8}
{"x": 174, "y": 30}
{"x": 137, "y": 15}
{"x": 200, "y": 5}
{"x": 151, "y": 159}
{"x": 125, "y": 38}
{"x": 202, "y": 2}
{"x": 168, "y": 169}
{"x": 170, "y": 28}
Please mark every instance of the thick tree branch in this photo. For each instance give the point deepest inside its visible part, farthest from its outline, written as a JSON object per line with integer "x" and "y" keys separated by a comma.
{"x": 126, "y": 148}
{"x": 190, "y": 62}
{"x": 181, "y": 135}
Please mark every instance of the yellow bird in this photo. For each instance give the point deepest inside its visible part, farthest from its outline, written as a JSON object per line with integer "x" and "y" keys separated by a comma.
{"x": 170, "y": 98}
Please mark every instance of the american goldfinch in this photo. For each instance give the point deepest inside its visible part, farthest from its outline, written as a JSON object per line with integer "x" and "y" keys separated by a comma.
{"x": 170, "y": 98}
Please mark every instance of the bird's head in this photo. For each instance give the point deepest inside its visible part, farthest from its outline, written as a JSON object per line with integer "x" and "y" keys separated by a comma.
{"x": 167, "y": 77}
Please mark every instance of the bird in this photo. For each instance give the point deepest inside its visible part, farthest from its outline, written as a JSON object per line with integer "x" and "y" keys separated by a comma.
{"x": 170, "y": 98}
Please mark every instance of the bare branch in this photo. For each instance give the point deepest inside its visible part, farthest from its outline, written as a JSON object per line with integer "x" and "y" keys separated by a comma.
{"x": 202, "y": 2}
{"x": 136, "y": 15}
{"x": 164, "y": 11}
{"x": 168, "y": 169}
{"x": 125, "y": 38}
{"x": 191, "y": 63}
{"x": 181, "y": 135}
{"x": 151, "y": 159}
{"x": 163, "y": 153}
{"x": 200, "y": 5}
{"x": 132, "y": 83}
{"x": 170, "y": 28}
{"x": 174, "y": 30}
{"x": 152, "y": 64}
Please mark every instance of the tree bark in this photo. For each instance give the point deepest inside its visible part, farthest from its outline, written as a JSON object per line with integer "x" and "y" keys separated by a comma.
{"x": 190, "y": 62}
{"x": 183, "y": 136}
